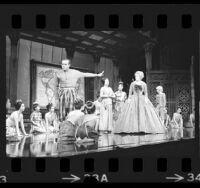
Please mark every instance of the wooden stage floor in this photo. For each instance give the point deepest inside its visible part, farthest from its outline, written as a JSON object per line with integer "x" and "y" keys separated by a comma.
{"x": 47, "y": 145}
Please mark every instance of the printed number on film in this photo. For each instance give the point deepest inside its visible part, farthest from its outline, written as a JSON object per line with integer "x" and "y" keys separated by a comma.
{"x": 3, "y": 179}
{"x": 192, "y": 177}
{"x": 102, "y": 178}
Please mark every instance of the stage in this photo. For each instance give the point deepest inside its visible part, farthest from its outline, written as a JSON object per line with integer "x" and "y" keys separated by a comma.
{"x": 47, "y": 145}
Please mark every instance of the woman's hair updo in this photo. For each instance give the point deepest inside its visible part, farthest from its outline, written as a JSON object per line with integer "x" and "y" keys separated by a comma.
{"x": 140, "y": 73}
{"x": 35, "y": 105}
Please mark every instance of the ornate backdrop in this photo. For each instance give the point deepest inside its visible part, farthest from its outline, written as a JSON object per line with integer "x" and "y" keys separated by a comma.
{"x": 176, "y": 85}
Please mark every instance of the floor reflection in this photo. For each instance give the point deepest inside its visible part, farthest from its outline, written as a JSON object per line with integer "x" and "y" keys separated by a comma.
{"x": 45, "y": 145}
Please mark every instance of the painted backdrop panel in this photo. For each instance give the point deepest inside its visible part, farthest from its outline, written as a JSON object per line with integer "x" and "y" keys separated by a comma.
{"x": 46, "y": 90}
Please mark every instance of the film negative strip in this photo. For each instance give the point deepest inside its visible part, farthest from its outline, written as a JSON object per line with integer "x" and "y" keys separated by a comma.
{"x": 99, "y": 93}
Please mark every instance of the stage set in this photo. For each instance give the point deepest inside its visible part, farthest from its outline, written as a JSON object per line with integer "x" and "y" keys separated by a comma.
{"x": 163, "y": 59}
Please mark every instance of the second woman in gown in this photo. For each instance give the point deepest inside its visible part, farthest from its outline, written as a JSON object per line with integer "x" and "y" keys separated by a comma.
{"x": 106, "y": 113}
{"x": 138, "y": 114}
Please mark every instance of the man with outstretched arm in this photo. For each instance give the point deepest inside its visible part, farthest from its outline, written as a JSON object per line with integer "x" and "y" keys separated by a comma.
{"x": 66, "y": 82}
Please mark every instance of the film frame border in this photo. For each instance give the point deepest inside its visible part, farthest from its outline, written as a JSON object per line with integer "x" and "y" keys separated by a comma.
{"x": 77, "y": 22}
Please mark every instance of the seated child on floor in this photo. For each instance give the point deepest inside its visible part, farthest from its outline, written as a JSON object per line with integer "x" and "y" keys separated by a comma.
{"x": 51, "y": 120}
{"x": 38, "y": 124}
{"x": 87, "y": 131}
{"x": 74, "y": 119}
{"x": 177, "y": 120}
{"x": 15, "y": 121}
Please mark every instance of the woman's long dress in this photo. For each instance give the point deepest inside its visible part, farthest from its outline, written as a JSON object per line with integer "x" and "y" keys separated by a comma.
{"x": 106, "y": 113}
{"x": 138, "y": 115}
{"x": 120, "y": 99}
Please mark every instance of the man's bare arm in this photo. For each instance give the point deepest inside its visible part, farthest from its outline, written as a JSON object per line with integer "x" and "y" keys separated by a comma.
{"x": 86, "y": 74}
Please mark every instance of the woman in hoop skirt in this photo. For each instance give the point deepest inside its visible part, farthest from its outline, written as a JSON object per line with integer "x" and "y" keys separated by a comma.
{"x": 138, "y": 114}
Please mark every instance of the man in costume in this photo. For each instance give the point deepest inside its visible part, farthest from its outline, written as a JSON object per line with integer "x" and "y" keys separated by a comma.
{"x": 66, "y": 82}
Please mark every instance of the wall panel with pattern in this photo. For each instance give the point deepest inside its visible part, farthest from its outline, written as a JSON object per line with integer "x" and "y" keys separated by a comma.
{"x": 176, "y": 85}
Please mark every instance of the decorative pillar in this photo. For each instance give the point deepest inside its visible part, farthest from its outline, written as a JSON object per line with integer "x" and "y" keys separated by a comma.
{"x": 97, "y": 81}
{"x": 14, "y": 38}
{"x": 116, "y": 73}
{"x": 148, "y": 56}
{"x": 192, "y": 84}
{"x": 70, "y": 52}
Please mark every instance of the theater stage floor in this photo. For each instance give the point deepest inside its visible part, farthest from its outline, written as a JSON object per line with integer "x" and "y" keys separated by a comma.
{"x": 46, "y": 145}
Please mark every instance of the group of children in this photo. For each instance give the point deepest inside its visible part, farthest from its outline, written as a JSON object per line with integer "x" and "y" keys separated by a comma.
{"x": 50, "y": 124}
{"x": 81, "y": 124}
{"x": 38, "y": 125}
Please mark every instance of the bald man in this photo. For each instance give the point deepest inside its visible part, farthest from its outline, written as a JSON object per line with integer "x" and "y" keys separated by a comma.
{"x": 66, "y": 82}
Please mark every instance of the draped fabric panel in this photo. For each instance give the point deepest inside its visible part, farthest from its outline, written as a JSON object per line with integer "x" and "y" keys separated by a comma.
{"x": 23, "y": 89}
{"x": 57, "y": 53}
{"x": 47, "y": 53}
{"x": 36, "y": 51}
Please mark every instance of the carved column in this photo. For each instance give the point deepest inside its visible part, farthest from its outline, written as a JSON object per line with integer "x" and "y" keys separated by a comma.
{"x": 148, "y": 55}
{"x": 192, "y": 84}
{"x": 14, "y": 38}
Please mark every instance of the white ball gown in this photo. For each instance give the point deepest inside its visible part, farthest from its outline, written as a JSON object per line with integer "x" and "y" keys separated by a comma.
{"x": 138, "y": 115}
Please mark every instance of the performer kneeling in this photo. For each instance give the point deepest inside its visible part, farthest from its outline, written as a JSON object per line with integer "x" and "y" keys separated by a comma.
{"x": 177, "y": 120}
{"x": 87, "y": 131}
{"x": 73, "y": 120}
